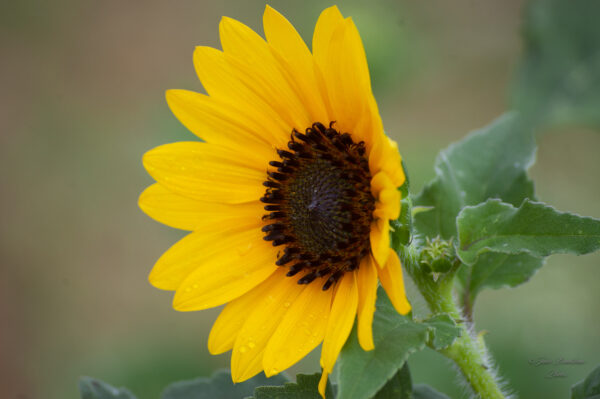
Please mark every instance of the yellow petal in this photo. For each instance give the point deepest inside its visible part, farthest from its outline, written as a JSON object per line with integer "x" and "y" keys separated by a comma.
{"x": 341, "y": 319}
{"x": 192, "y": 251}
{"x": 367, "y": 294}
{"x": 300, "y": 331}
{"x": 296, "y": 61}
{"x": 185, "y": 213}
{"x": 223, "y": 83}
{"x": 233, "y": 316}
{"x": 380, "y": 241}
{"x": 228, "y": 274}
{"x": 323, "y": 383}
{"x": 393, "y": 283}
{"x": 346, "y": 74}
{"x": 384, "y": 157}
{"x": 282, "y": 35}
{"x": 265, "y": 316}
{"x": 327, "y": 23}
{"x": 250, "y": 55}
{"x": 209, "y": 118}
{"x": 206, "y": 172}
{"x": 388, "y": 197}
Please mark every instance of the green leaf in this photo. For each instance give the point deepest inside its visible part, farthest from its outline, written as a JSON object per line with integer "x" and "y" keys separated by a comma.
{"x": 534, "y": 228}
{"x": 398, "y": 387}
{"x": 443, "y": 331}
{"x": 422, "y": 391}
{"x": 90, "y": 388}
{"x": 219, "y": 385}
{"x": 362, "y": 374}
{"x": 305, "y": 387}
{"x": 497, "y": 270}
{"x": 558, "y": 80}
{"x": 589, "y": 388}
{"x": 489, "y": 163}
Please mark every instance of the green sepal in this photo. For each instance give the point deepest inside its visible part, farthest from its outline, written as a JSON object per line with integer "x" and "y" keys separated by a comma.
{"x": 401, "y": 229}
{"x": 438, "y": 255}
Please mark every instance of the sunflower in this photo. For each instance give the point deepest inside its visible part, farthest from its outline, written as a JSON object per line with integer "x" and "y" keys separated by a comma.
{"x": 288, "y": 198}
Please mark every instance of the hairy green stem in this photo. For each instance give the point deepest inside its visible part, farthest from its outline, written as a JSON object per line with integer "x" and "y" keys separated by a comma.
{"x": 468, "y": 353}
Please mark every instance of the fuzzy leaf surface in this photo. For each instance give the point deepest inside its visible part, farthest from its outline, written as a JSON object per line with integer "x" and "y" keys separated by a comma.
{"x": 497, "y": 270}
{"x": 533, "y": 228}
{"x": 489, "y": 163}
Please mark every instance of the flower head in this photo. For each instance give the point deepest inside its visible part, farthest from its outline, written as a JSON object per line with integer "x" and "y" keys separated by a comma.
{"x": 288, "y": 198}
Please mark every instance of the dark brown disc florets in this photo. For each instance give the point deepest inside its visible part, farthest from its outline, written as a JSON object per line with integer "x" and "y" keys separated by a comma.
{"x": 320, "y": 204}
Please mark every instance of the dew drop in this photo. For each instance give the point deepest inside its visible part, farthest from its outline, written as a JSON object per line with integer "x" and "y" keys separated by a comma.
{"x": 243, "y": 349}
{"x": 274, "y": 371}
{"x": 195, "y": 286}
{"x": 251, "y": 345}
{"x": 287, "y": 304}
{"x": 188, "y": 289}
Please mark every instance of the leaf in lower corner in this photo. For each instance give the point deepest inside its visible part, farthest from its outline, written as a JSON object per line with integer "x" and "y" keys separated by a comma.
{"x": 558, "y": 79}
{"x": 219, "y": 385}
{"x": 90, "y": 388}
{"x": 422, "y": 391}
{"x": 589, "y": 388}
{"x": 398, "y": 387}
{"x": 362, "y": 374}
{"x": 305, "y": 387}
{"x": 534, "y": 228}
{"x": 489, "y": 163}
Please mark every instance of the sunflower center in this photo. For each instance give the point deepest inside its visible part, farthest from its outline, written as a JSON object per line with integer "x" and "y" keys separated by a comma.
{"x": 321, "y": 204}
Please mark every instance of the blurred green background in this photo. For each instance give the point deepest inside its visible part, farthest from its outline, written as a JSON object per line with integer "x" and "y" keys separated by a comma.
{"x": 83, "y": 98}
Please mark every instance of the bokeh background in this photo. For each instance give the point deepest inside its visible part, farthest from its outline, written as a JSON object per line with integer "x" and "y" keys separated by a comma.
{"x": 82, "y": 98}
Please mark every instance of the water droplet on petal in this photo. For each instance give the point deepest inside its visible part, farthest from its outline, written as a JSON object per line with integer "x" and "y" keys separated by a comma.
{"x": 274, "y": 371}
{"x": 243, "y": 349}
{"x": 251, "y": 345}
{"x": 287, "y": 304}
